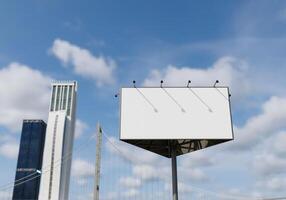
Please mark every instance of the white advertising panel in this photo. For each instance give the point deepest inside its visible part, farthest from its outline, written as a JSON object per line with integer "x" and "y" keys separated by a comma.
{"x": 175, "y": 113}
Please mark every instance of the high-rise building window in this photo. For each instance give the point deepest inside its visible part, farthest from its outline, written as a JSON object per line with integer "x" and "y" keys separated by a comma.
{"x": 53, "y": 157}
{"x": 69, "y": 100}
{"x": 58, "y": 98}
{"x": 53, "y": 98}
{"x": 61, "y": 98}
{"x": 65, "y": 97}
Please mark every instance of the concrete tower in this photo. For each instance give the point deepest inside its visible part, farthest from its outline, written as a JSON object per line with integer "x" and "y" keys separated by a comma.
{"x": 59, "y": 142}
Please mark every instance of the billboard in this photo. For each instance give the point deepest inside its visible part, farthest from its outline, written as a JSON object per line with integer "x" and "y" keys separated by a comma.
{"x": 162, "y": 114}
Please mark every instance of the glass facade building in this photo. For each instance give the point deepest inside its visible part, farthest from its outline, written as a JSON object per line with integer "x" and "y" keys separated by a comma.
{"x": 30, "y": 160}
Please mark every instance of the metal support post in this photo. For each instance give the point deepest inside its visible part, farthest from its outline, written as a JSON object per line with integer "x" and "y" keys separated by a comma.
{"x": 174, "y": 172}
{"x": 97, "y": 162}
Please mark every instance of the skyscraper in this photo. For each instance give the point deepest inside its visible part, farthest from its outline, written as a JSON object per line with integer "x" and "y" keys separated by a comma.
{"x": 59, "y": 142}
{"x": 30, "y": 160}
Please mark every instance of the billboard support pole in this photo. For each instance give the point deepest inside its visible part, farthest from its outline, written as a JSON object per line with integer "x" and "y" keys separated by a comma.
{"x": 174, "y": 172}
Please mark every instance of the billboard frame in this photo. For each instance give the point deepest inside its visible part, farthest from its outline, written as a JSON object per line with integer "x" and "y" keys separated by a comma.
{"x": 229, "y": 105}
{"x": 171, "y": 145}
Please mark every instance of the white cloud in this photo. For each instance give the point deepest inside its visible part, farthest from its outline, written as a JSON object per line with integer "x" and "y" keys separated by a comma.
{"x": 85, "y": 64}
{"x": 4, "y": 137}
{"x": 268, "y": 164}
{"x": 82, "y": 168}
{"x": 273, "y": 184}
{"x": 130, "y": 182}
{"x": 146, "y": 166}
{"x": 194, "y": 174}
{"x": 230, "y": 71}
{"x": 197, "y": 159}
{"x": 279, "y": 144}
{"x": 25, "y": 94}
{"x": 110, "y": 195}
{"x": 131, "y": 193}
{"x": 130, "y": 153}
{"x": 82, "y": 181}
{"x": 5, "y": 195}
{"x": 259, "y": 127}
{"x": 9, "y": 149}
{"x": 148, "y": 172}
{"x": 82, "y": 171}
{"x": 149, "y": 167}
{"x": 184, "y": 188}
{"x": 83, "y": 196}
{"x": 80, "y": 127}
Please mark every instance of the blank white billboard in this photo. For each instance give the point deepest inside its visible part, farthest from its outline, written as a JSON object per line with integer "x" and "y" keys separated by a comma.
{"x": 175, "y": 113}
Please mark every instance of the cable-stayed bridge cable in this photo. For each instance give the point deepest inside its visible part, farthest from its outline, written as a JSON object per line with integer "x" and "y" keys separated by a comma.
{"x": 64, "y": 159}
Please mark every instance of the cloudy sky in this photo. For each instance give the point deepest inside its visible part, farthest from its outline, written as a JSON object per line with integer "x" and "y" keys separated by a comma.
{"x": 106, "y": 44}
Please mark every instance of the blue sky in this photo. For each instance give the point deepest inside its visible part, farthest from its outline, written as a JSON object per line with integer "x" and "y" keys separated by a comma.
{"x": 106, "y": 44}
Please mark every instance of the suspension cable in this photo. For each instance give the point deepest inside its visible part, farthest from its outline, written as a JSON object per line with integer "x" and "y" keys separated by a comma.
{"x": 220, "y": 195}
{"x": 46, "y": 169}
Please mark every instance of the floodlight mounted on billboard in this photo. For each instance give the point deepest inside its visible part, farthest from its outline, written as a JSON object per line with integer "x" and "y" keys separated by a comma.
{"x": 182, "y": 119}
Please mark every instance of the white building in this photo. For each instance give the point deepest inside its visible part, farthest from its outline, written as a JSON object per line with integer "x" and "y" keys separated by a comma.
{"x": 57, "y": 156}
